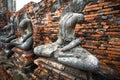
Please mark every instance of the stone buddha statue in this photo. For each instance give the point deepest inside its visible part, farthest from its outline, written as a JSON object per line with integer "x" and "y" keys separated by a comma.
{"x": 10, "y": 31}
{"x": 24, "y": 42}
{"x": 67, "y": 49}
{"x": 9, "y": 35}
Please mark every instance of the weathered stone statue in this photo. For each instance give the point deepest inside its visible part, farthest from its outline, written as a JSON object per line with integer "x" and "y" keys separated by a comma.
{"x": 24, "y": 42}
{"x": 9, "y": 35}
{"x": 67, "y": 49}
{"x": 10, "y": 31}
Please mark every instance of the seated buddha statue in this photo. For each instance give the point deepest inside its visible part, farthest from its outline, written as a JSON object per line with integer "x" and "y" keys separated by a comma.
{"x": 9, "y": 35}
{"x": 9, "y": 29}
{"x": 67, "y": 49}
{"x": 25, "y": 41}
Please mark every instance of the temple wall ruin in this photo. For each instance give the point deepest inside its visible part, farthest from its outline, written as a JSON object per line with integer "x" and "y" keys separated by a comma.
{"x": 100, "y": 33}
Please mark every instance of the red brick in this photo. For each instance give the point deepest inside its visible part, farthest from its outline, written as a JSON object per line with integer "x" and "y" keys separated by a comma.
{"x": 91, "y": 6}
{"x": 112, "y": 33}
{"x": 112, "y": 52}
{"x": 96, "y": 35}
{"x": 114, "y": 49}
{"x": 105, "y": 26}
{"x": 114, "y": 43}
{"x": 92, "y": 9}
{"x": 112, "y": 12}
{"x": 114, "y": 26}
{"x": 116, "y": 63}
{"x": 91, "y": 15}
{"x": 104, "y": 4}
{"x": 91, "y": 47}
{"x": 114, "y": 30}
{"x": 113, "y": 56}
{"x": 99, "y": 52}
{"x": 114, "y": 4}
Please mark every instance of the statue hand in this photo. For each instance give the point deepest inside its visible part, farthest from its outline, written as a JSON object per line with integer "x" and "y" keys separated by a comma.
{"x": 6, "y": 39}
{"x": 16, "y": 41}
{"x": 22, "y": 40}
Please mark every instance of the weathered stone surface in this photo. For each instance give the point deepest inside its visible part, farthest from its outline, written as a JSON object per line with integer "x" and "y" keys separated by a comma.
{"x": 50, "y": 69}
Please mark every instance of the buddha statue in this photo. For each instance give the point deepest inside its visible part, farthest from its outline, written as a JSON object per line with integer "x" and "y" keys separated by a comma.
{"x": 9, "y": 35}
{"x": 24, "y": 42}
{"x": 67, "y": 49}
{"x": 9, "y": 30}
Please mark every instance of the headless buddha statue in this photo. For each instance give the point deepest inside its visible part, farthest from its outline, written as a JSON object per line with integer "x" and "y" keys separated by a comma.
{"x": 10, "y": 31}
{"x": 67, "y": 49}
{"x": 9, "y": 35}
{"x": 24, "y": 42}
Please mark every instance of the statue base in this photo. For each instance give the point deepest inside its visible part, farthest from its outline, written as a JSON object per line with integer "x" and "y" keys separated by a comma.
{"x": 23, "y": 59}
{"x": 49, "y": 69}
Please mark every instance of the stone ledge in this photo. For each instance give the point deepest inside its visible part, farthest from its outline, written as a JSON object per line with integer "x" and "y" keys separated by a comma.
{"x": 22, "y": 59}
{"x": 50, "y": 69}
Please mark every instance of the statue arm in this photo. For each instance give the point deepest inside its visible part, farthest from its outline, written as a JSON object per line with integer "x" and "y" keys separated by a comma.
{"x": 6, "y": 27}
{"x": 10, "y": 38}
{"x": 71, "y": 45}
{"x": 30, "y": 29}
{"x": 12, "y": 31}
{"x": 27, "y": 36}
{"x": 16, "y": 23}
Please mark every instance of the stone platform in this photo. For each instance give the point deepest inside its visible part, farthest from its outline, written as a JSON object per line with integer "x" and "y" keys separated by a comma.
{"x": 49, "y": 69}
{"x": 23, "y": 59}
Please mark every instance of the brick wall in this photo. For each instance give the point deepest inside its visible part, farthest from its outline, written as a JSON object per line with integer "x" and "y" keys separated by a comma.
{"x": 100, "y": 32}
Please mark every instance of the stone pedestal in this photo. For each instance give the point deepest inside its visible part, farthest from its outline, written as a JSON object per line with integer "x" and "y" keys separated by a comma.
{"x": 23, "y": 59}
{"x": 49, "y": 69}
